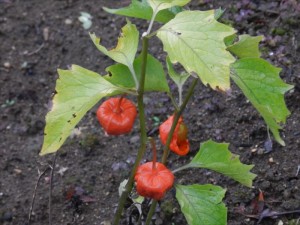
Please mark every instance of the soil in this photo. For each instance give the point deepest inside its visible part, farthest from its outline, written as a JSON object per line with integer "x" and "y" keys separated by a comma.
{"x": 37, "y": 37}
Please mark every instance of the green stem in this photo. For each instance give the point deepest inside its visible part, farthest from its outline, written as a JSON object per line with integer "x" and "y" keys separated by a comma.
{"x": 180, "y": 94}
{"x": 151, "y": 212}
{"x": 187, "y": 166}
{"x": 166, "y": 147}
{"x": 173, "y": 101}
{"x": 143, "y": 134}
{"x": 132, "y": 71}
{"x": 151, "y": 22}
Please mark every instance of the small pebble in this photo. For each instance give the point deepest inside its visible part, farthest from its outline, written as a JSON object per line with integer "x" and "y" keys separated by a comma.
{"x": 68, "y": 21}
{"x": 268, "y": 145}
{"x": 106, "y": 222}
{"x": 17, "y": 171}
{"x": 46, "y": 33}
{"x": 260, "y": 151}
{"x": 7, "y": 65}
{"x": 271, "y": 160}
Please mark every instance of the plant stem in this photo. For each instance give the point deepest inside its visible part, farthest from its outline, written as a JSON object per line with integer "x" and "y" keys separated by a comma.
{"x": 51, "y": 187}
{"x": 151, "y": 22}
{"x": 143, "y": 133}
{"x": 166, "y": 147}
{"x": 180, "y": 95}
{"x": 118, "y": 108}
{"x": 187, "y": 166}
{"x": 34, "y": 193}
{"x": 173, "y": 101}
{"x": 151, "y": 212}
{"x": 132, "y": 71}
{"x": 153, "y": 153}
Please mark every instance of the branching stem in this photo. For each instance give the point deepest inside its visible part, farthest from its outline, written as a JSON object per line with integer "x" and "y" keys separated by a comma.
{"x": 143, "y": 133}
{"x": 166, "y": 147}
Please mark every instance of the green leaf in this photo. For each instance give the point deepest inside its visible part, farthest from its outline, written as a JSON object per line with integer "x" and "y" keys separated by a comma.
{"x": 155, "y": 79}
{"x": 196, "y": 40}
{"x": 126, "y": 48}
{"x": 217, "y": 157}
{"x": 142, "y": 10}
{"x": 261, "y": 84}
{"x": 179, "y": 79}
{"x": 219, "y": 13}
{"x": 78, "y": 90}
{"x": 202, "y": 204}
{"x": 158, "y": 5}
{"x": 246, "y": 47}
{"x": 229, "y": 40}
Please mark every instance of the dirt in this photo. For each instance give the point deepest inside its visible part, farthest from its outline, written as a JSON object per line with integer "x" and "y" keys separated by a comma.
{"x": 37, "y": 37}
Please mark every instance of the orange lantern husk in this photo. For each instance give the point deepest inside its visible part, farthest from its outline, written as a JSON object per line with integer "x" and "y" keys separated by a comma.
{"x": 117, "y": 115}
{"x": 153, "y": 181}
{"x": 179, "y": 143}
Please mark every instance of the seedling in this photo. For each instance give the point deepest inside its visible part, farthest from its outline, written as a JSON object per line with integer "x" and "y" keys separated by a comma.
{"x": 208, "y": 51}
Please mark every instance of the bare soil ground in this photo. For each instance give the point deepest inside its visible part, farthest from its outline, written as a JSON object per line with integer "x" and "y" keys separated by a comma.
{"x": 37, "y": 37}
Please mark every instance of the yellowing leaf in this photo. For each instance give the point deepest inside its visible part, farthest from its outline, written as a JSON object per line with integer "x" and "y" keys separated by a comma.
{"x": 126, "y": 48}
{"x": 195, "y": 39}
{"x": 202, "y": 204}
{"x": 246, "y": 47}
{"x": 158, "y": 5}
{"x": 261, "y": 84}
{"x": 78, "y": 90}
{"x": 141, "y": 9}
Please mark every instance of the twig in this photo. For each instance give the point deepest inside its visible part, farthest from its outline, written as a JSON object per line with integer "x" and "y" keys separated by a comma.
{"x": 51, "y": 187}
{"x": 34, "y": 192}
{"x": 298, "y": 170}
{"x": 35, "y": 51}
